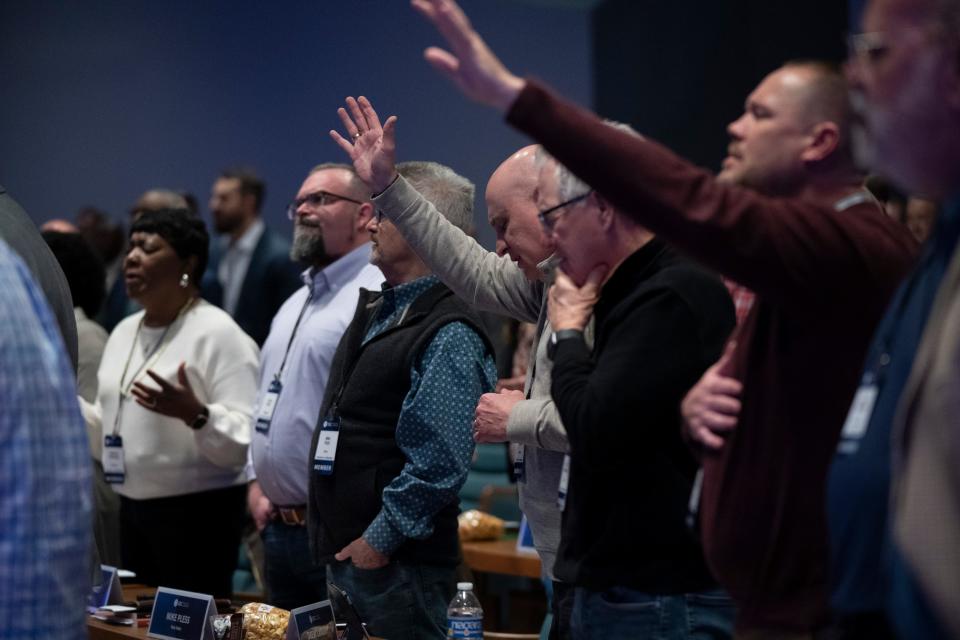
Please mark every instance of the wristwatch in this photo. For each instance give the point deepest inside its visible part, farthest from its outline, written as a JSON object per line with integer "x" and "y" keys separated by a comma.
{"x": 201, "y": 419}
{"x": 558, "y": 336}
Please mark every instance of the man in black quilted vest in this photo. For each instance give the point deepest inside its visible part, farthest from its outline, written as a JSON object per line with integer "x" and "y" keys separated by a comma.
{"x": 394, "y": 440}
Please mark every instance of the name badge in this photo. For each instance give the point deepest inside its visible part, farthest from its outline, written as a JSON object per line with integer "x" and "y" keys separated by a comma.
{"x": 108, "y": 591}
{"x": 518, "y": 465}
{"x": 181, "y": 615}
{"x": 113, "y": 469}
{"x": 318, "y": 615}
{"x": 268, "y": 404}
{"x": 326, "y": 452}
{"x": 855, "y": 427}
{"x": 564, "y": 483}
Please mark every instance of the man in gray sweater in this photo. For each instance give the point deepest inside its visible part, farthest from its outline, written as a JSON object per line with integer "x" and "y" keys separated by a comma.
{"x": 512, "y": 282}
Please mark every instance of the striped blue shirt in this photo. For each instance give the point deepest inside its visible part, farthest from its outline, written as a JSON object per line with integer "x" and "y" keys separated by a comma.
{"x": 46, "y": 494}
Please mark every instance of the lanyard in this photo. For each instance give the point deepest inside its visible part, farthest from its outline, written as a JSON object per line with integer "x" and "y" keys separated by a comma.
{"x": 149, "y": 360}
{"x": 293, "y": 334}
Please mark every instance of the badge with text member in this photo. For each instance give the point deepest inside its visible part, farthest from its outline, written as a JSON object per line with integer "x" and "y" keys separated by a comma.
{"x": 326, "y": 452}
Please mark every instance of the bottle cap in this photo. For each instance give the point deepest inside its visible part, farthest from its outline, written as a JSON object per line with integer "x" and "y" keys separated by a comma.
{"x": 464, "y": 586}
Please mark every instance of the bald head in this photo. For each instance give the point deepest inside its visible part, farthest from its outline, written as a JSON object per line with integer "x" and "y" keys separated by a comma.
{"x": 59, "y": 225}
{"x": 157, "y": 199}
{"x": 512, "y": 212}
{"x": 516, "y": 176}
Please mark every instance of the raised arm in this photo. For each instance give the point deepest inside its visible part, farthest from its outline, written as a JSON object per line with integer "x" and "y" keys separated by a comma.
{"x": 485, "y": 280}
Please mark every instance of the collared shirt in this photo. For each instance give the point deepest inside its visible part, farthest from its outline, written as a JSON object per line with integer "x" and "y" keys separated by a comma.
{"x": 328, "y": 301}
{"x": 859, "y": 481}
{"x": 235, "y": 262}
{"x": 45, "y": 471}
{"x": 434, "y": 429}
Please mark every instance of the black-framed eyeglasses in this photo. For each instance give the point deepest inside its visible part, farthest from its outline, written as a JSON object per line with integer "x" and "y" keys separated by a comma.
{"x": 548, "y": 217}
{"x": 316, "y": 199}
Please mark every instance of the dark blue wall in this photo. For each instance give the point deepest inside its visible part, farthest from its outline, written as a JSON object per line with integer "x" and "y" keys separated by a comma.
{"x": 679, "y": 71}
{"x": 103, "y": 99}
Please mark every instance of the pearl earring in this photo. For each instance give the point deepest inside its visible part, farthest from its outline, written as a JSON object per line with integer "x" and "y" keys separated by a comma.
{"x": 184, "y": 281}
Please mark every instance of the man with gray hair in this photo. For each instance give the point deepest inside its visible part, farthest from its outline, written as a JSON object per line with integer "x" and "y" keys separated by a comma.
{"x": 394, "y": 442}
{"x": 511, "y": 282}
{"x": 659, "y": 309}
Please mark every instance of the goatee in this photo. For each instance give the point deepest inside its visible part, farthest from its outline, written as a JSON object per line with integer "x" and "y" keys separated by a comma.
{"x": 308, "y": 246}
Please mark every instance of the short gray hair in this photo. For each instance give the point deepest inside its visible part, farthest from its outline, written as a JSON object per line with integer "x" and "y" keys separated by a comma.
{"x": 449, "y": 192}
{"x": 568, "y": 185}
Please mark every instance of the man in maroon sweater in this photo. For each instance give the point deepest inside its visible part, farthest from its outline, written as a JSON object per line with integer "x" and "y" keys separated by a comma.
{"x": 786, "y": 218}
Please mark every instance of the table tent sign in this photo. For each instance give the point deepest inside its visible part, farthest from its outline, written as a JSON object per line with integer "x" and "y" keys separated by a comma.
{"x": 181, "y": 615}
{"x": 108, "y": 592}
{"x": 318, "y": 615}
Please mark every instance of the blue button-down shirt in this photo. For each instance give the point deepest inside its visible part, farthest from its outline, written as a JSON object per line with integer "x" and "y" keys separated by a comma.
{"x": 45, "y": 471}
{"x": 859, "y": 481}
{"x": 435, "y": 427}
{"x": 328, "y": 301}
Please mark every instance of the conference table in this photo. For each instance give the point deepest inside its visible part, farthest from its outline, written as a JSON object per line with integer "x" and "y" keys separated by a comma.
{"x": 501, "y": 556}
{"x": 487, "y": 556}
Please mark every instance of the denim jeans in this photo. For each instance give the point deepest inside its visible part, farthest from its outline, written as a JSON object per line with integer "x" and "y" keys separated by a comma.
{"x": 625, "y": 614}
{"x": 399, "y": 600}
{"x": 293, "y": 580}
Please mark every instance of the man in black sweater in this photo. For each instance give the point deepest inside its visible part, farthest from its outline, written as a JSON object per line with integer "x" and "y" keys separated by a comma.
{"x": 660, "y": 321}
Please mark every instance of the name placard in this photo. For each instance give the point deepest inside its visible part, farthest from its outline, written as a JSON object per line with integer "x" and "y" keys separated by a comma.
{"x": 108, "y": 591}
{"x": 318, "y": 615}
{"x": 525, "y": 537}
{"x": 181, "y": 615}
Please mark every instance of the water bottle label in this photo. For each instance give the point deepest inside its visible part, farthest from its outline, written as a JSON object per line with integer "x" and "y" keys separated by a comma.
{"x": 465, "y": 628}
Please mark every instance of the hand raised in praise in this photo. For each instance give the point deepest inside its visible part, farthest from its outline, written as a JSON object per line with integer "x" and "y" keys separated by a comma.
{"x": 472, "y": 66}
{"x": 372, "y": 148}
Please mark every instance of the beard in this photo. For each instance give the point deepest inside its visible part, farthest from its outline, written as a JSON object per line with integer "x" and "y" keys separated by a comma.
{"x": 308, "y": 246}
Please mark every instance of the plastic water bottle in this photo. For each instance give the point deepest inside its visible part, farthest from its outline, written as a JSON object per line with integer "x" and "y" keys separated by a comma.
{"x": 465, "y": 615}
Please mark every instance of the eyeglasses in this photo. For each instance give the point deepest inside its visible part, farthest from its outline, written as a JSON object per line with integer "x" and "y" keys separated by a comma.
{"x": 316, "y": 199}
{"x": 548, "y": 217}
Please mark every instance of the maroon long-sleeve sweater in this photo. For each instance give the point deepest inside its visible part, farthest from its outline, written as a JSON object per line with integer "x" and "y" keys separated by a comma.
{"x": 822, "y": 277}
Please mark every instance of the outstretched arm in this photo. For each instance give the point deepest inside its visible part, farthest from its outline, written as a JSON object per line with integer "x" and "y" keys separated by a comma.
{"x": 472, "y": 66}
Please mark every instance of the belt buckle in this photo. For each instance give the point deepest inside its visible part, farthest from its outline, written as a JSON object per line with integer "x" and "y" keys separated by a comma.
{"x": 291, "y": 517}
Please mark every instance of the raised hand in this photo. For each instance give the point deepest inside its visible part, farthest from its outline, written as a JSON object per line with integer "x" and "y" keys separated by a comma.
{"x": 472, "y": 66}
{"x": 372, "y": 148}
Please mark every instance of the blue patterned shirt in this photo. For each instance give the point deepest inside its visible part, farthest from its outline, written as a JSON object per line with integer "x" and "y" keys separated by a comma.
{"x": 435, "y": 427}
{"x": 46, "y": 494}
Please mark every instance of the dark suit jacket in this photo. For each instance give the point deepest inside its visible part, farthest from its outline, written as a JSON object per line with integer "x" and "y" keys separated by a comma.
{"x": 19, "y": 231}
{"x": 271, "y": 278}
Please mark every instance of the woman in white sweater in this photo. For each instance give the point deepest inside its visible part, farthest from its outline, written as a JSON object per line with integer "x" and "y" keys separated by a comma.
{"x": 172, "y": 417}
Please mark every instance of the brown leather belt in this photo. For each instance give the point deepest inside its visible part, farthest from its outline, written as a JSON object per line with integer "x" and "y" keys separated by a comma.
{"x": 293, "y": 516}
